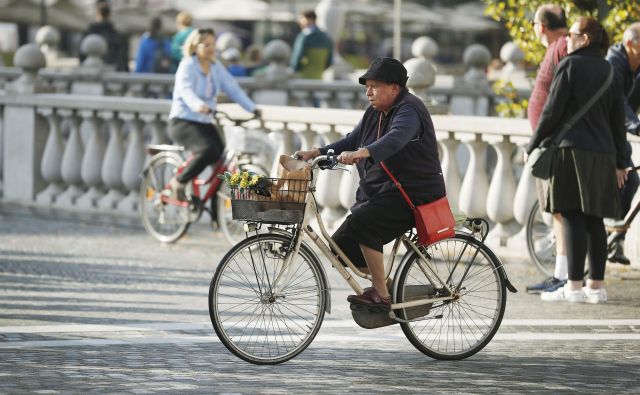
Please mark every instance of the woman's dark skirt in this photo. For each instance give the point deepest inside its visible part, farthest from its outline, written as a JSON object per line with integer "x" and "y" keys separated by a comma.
{"x": 583, "y": 181}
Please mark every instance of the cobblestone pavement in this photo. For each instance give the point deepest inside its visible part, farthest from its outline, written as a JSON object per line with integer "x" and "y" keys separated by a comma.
{"x": 91, "y": 307}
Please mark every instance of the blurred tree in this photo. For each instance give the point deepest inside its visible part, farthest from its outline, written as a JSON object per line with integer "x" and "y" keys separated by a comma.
{"x": 517, "y": 15}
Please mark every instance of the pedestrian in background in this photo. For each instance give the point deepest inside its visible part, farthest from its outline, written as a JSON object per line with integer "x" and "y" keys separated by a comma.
{"x": 231, "y": 57}
{"x": 312, "y": 50}
{"x": 588, "y": 167}
{"x": 199, "y": 79}
{"x": 183, "y": 24}
{"x": 625, "y": 59}
{"x": 154, "y": 51}
{"x": 550, "y": 27}
{"x": 117, "y": 49}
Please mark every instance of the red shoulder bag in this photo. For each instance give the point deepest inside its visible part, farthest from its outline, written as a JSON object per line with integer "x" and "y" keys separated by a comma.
{"x": 434, "y": 221}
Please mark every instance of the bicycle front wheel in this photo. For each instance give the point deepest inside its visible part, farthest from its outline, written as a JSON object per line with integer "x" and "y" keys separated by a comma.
{"x": 457, "y": 328}
{"x": 541, "y": 242}
{"x": 262, "y": 311}
{"x": 165, "y": 222}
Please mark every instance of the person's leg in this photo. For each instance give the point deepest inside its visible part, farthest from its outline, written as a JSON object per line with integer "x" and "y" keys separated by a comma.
{"x": 627, "y": 192}
{"x": 561, "y": 268}
{"x": 597, "y": 237}
{"x": 202, "y": 140}
{"x": 375, "y": 262}
{"x": 575, "y": 234}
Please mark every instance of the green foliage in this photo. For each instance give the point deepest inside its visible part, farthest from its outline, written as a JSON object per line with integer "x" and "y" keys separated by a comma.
{"x": 517, "y": 15}
{"x": 511, "y": 105}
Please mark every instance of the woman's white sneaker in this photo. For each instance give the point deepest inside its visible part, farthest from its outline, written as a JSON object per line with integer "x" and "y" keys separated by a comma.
{"x": 564, "y": 294}
{"x": 595, "y": 296}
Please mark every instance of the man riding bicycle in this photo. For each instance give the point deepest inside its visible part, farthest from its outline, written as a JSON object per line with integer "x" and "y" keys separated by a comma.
{"x": 397, "y": 129}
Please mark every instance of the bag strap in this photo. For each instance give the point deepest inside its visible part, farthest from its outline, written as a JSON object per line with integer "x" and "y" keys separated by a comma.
{"x": 584, "y": 108}
{"x": 395, "y": 181}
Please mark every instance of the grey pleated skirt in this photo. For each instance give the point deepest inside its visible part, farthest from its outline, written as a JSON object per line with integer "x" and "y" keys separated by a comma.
{"x": 582, "y": 181}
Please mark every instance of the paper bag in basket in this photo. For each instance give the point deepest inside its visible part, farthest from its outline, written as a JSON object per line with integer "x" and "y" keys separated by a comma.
{"x": 294, "y": 175}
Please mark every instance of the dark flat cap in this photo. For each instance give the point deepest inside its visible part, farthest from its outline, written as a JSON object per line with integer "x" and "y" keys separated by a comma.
{"x": 386, "y": 69}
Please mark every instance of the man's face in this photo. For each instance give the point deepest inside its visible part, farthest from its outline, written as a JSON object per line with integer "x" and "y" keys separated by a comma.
{"x": 303, "y": 22}
{"x": 381, "y": 94}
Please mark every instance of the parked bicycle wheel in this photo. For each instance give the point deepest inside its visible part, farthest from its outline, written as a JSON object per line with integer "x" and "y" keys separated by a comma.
{"x": 263, "y": 312}
{"x": 458, "y": 328}
{"x": 164, "y": 221}
{"x": 233, "y": 230}
{"x": 541, "y": 242}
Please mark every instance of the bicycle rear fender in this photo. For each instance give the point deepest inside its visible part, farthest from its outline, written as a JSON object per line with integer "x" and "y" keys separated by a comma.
{"x": 409, "y": 254}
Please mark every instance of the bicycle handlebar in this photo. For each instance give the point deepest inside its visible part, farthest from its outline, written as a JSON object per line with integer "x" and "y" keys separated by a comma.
{"x": 236, "y": 121}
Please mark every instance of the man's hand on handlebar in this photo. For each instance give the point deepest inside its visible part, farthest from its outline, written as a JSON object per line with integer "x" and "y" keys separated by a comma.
{"x": 307, "y": 155}
{"x": 353, "y": 157}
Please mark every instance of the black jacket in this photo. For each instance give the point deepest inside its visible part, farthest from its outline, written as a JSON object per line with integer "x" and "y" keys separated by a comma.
{"x": 117, "y": 48}
{"x": 407, "y": 146}
{"x": 601, "y": 129}
{"x": 625, "y": 79}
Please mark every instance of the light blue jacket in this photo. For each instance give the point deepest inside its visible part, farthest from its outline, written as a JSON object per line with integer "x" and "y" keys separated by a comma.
{"x": 192, "y": 88}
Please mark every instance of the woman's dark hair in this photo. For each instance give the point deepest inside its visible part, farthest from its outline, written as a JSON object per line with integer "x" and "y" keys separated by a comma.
{"x": 594, "y": 30}
{"x": 155, "y": 26}
{"x": 310, "y": 15}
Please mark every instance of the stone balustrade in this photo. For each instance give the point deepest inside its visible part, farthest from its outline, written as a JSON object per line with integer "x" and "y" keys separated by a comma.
{"x": 87, "y": 152}
{"x": 292, "y": 92}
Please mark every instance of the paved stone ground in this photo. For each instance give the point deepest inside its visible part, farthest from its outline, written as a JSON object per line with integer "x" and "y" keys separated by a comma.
{"x": 86, "y": 306}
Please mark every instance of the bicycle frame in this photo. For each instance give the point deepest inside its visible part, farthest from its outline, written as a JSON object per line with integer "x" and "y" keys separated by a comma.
{"x": 321, "y": 240}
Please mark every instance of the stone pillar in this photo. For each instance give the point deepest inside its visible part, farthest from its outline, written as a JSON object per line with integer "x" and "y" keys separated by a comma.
{"x": 92, "y": 159}
{"x": 25, "y": 132}
{"x": 71, "y": 166}
{"x": 51, "y": 166}
{"x": 331, "y": 19}
{"x": 328, "y": 188}
{"x": 450, "y": 170}
{"x": 48, "y": 37}
{"x": 522, "y": 204}
{"x": 112, "y": 165}
{"x": 88, "y": 76}
{"x": 133, "y": 163}
{"x": 502, "y": 190}
{"x": 476, "y": 58}
{"x": 421, "y": 71}
{"x": 275, "y": 75}
{"x": 473, "y": 193}
{"x": 512, "y": 56}
{"x": 228, "y": 40}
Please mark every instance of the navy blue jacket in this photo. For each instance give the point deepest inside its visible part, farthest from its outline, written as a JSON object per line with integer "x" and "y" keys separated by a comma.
{"x": 407, "y": 145}
{"x": 624, "y": 79}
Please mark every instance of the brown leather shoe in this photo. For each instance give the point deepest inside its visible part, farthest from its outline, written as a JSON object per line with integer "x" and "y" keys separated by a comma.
{"x": 370, "y": 298}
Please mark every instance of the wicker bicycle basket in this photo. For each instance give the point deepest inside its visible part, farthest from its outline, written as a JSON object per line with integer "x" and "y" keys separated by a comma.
{"x": 280, "y": 201}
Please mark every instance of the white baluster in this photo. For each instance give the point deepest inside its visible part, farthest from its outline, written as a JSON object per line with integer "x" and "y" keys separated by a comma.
{"x": 473, "y": 193}
{"x": 450, "y": 171}
{"x": 328, "y": 187}
{"x": 51, "y": 164}
{"x": 71, "y": 167}
{"x": 92, "y": 160}
{"x": 501, "y": 194}
{"x": 523, "y": 202}
{"x": 112, "y": 165}
{"x": 283, "y": 139}
{"x": 133, "y": 163}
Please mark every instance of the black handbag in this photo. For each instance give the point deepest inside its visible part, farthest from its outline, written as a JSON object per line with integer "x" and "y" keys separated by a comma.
{"x": 541, "y": 158}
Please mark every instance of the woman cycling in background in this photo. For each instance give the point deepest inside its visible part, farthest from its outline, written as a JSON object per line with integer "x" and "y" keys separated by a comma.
{"x": 199, "y": 79}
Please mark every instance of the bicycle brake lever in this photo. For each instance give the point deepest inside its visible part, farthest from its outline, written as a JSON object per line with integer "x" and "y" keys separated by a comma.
{"x": 345, "y": 168}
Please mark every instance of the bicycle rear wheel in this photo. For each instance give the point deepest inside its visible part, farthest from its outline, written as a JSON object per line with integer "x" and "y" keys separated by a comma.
{"x": 541, "y": 242}
{"x": 165, "y": 222}
{"x": 458, "y": 328}
{"x": 262, "y": 312}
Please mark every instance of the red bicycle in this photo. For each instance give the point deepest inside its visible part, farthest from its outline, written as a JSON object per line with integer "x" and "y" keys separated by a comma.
{"x": 168, "y": 219}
